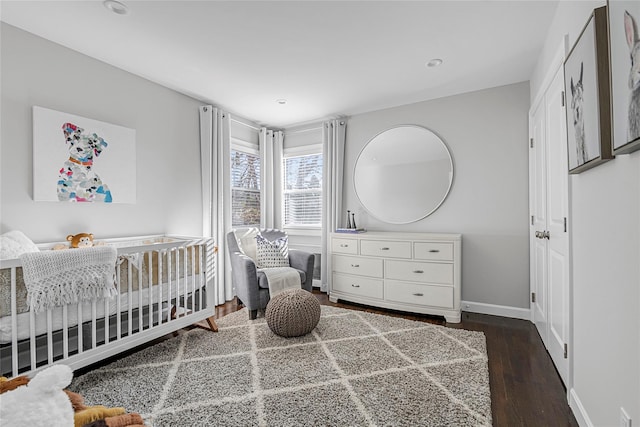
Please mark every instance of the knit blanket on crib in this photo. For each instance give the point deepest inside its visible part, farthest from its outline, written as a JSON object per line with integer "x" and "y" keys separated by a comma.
{"x": 55, "y": 278}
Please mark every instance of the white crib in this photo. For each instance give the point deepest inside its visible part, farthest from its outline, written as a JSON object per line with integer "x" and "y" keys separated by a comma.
{"x": 164, "y": 283}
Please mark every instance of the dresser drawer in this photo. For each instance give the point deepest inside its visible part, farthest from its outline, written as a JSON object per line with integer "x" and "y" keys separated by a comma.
{"x": 432, "y": 272}
{"x": 355, "y": 285}
{"x": 433, "y": 251}
{"x": 344, "y": 246}
{"x": 354, "y": 265}
{"x": 415, "y": 293}
{"x": 385, "y": 249}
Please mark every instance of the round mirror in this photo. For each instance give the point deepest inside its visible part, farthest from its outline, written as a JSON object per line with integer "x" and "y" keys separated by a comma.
{"x": 403, "y": 174}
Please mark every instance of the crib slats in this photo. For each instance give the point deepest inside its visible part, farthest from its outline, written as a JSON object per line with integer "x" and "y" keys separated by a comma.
{"x": 32, "y": 338}
{"x": 140, "y": 290}
{"x": 167, "y": 299}
{"x": 106, "y": 320}
{"x": 14, "y": 324}
{"x": 118, "y": 303}
{"x": 65, "y": 333}
{"x": 49, "y": 336}
{"x": 80, "y": 330}
{"x": 130, "y": 298}
{"x": 159, "y": 301}
{"x": 94, "y": 326}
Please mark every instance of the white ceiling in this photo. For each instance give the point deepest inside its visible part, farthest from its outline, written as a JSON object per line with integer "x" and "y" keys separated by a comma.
{"x": 325, "y": 58}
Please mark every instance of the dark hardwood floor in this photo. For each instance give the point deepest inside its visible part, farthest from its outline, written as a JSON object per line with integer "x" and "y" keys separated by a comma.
{"x": 525, "y": 387}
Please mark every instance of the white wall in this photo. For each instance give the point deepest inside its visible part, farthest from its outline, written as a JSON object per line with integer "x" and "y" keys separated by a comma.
{"x": 605, "y": 227}
{"x": 38, "y": 72}
{"x": 486, "y": 132}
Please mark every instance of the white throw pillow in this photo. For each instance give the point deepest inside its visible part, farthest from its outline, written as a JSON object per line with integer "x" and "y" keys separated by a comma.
{"x": 15, "y": 243}
{"x": 272, "y": 254}
{"x": 247, "y": 241}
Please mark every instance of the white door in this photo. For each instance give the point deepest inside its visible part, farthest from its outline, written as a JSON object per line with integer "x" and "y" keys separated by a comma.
{"x": 549, "y": 240}
{"x": 557, "y": 213}
{"x": 538, "y": 196}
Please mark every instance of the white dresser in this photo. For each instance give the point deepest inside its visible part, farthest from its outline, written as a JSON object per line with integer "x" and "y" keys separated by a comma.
{"x": 415, "y": 272}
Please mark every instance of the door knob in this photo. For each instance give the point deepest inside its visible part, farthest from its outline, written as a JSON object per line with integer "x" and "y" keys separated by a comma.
{"x": 542, "y": 234}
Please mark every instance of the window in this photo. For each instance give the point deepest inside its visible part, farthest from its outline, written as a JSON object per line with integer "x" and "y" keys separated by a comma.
{"x": 303, "y": 191}
{"x": 245, "y": 189}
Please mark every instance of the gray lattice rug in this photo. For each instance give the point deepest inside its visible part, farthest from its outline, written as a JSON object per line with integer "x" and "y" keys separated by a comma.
{"x": 354, "y": 369}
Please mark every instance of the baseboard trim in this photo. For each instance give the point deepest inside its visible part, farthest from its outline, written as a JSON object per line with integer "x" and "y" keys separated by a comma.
{"x": 578, "y": 410}
{"x": 496, "y": 310}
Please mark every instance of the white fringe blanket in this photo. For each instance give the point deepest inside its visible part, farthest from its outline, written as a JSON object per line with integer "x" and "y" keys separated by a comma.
{"x": 281, "y": 278}
{"x": 55, "y": 278}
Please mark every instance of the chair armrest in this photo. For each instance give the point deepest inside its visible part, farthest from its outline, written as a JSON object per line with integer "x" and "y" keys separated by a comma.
{"x": 304, "y": 261}
{"x": 245, "y": 278}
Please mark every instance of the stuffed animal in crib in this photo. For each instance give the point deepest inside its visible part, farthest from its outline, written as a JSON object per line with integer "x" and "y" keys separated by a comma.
{"x": 80, "y": 240}
{"x": 40, "y": 403}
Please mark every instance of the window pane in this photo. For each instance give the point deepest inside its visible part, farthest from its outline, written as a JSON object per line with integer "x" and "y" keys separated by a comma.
{"x": 245, "y": 170}
{"x": 245, "y": 189}
{"x": 303, "y": 172}
{"x": 303, "y": 190}
{"x": 245, "y": 208}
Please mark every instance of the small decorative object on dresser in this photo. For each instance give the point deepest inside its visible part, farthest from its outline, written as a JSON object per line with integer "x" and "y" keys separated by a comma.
{"x": 414, "y": 272}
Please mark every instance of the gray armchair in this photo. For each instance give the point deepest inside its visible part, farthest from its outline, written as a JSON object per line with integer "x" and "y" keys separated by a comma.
{"x": 251, "y": 285}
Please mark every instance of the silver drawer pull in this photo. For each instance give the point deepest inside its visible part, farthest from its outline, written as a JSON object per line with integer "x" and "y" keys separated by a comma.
{"x": 355, "y": 286}
{"x": 355, "y": 265}
{"x": 418, "y": 295}
{"x": 418, "y": 271}
{"x": 434, "y": 251}
{"x": 342, "y": 245}
{"x": 384, "y": 249}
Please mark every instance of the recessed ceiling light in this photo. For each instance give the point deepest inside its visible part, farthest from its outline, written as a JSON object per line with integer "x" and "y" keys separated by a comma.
{"x": 116, "y": 7}
{"x": 434, "y": 62}
{"x": 281, "y": 101}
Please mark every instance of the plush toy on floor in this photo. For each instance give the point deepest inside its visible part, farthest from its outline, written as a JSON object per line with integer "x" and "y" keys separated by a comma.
{"x": 41, "y": 402}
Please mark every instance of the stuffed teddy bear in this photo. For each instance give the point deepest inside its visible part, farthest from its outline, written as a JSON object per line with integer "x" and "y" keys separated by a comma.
{"x": 41, "y": 402}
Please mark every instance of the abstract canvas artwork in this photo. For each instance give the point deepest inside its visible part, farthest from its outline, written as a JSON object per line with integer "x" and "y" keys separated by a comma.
{"x": 76, "y": 159}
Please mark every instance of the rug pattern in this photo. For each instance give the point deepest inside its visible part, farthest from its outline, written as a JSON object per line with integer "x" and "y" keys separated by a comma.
{"x": 354, "y": 369}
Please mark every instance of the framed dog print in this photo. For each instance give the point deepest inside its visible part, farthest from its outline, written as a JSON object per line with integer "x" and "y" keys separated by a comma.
{"x": 624, "y": 39}
{"x": 586, "y": 77}
{"x": 76, "y": 159}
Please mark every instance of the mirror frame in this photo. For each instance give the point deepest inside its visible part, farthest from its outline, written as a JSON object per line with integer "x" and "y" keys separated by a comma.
{"x": 437, "y": 206}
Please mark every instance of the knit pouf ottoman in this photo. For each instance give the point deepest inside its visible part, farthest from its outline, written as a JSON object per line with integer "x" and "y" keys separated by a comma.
{"x": 293, "y": 313}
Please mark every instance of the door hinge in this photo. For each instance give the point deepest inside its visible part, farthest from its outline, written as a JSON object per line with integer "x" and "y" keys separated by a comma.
{"x": 533, "y": 297}
{"x": 531, "y": 219}
{"x": 565, "y": 224}
{"x": 562, "y": 98}
{"x": 531, "y": 142}
{"x": 566, "y": 351}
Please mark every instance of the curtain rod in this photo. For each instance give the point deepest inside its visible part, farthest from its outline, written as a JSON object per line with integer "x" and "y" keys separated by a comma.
{"x": 244, "y": 124}
{"x": 302, "y": 130}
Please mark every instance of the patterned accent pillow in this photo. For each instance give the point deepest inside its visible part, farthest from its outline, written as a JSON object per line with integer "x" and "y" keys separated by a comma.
{"x": 272, "y": 254}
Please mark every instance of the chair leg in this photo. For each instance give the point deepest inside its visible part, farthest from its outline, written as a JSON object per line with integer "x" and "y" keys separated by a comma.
{"x": 253, "y": 314}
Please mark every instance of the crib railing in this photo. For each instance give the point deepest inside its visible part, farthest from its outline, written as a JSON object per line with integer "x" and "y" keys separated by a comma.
{"x": 162, "y": 286}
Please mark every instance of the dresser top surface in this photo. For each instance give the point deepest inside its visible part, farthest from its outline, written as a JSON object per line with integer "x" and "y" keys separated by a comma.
{"x": 391, "y": 235}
